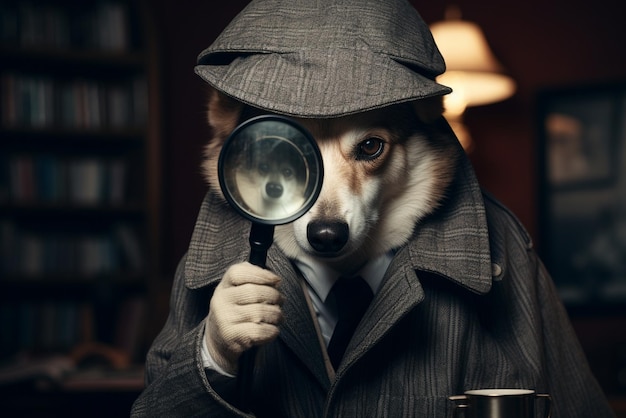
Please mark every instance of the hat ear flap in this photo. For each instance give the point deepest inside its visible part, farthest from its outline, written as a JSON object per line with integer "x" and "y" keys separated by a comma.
{"x": 428, "y": 110}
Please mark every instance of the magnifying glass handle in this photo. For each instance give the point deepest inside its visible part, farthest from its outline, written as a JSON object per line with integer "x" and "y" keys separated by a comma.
{"x": 244, "y": 378}
{"x": 261, "y": 238}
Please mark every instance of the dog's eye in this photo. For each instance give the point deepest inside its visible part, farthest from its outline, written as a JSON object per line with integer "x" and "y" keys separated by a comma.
{"x": 287, "y": 172}
{"x": 264, "y": 168}
{"x": 370, "y": 149}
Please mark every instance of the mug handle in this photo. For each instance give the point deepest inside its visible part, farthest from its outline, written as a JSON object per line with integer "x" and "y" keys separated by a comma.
{"x": 459, "y": 407}
{"x": 548, "y": 399}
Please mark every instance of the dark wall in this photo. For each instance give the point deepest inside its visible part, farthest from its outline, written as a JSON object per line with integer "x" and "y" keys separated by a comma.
{"x": 185, "y": 29}
{"x": 543, "y": 43}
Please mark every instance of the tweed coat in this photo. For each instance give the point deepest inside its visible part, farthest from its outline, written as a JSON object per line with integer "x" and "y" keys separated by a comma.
{"x": 466, "y": 304}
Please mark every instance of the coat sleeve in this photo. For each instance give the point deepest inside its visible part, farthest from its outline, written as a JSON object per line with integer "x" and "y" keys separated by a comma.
{"x": 176, "y": 381}
{"x": 569, "y": 376}
{"x": 548, "y": 335}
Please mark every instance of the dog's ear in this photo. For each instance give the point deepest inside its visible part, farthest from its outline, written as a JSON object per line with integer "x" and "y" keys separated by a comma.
{"x": 223, "y": 113}
{"x": 429, "y": 110}
{"x": 223, "y": 116}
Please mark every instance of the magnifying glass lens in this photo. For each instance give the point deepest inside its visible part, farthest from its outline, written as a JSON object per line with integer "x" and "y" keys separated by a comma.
{"x": 270, "y": 170}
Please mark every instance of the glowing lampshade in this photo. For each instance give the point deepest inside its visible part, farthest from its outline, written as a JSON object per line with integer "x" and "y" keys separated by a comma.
{"x": 472, "y": 71}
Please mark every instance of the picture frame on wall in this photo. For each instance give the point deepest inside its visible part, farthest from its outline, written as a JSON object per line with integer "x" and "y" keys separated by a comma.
{"x": 582, "y": 143}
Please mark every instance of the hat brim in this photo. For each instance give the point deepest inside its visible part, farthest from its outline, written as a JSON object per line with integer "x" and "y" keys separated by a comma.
{"x": 319, "y": 83}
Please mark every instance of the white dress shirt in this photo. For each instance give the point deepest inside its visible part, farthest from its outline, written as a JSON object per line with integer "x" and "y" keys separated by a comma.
{"x": 320, "y": 280}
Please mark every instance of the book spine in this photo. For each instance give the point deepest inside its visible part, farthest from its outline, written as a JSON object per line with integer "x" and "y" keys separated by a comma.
{"x": 29, "y": 101}
{"x": 35, "y": 254}
{"x": 85, "y": 181}
{"x": 30, "y": 24}
{"x": 46, "y": 325}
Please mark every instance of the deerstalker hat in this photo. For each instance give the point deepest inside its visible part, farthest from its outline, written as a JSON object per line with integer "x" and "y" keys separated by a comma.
{"x": 324, "y": 58}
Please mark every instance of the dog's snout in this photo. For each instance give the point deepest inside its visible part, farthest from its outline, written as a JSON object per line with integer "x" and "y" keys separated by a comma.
{"x": 274, "y": 190}
{"x": 327, "y": 237}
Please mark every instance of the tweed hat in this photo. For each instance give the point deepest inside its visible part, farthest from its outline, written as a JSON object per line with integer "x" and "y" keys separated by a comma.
{"x": 324, "y": 58}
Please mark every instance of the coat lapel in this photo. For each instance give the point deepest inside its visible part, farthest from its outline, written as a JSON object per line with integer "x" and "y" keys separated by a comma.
{"x": 219, "y": 240}
{"x": 298, "y": 331}
{"x": 399, "y": 294}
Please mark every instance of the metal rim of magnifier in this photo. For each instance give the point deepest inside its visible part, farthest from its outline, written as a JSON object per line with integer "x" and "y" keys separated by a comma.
{"x": 318, "y": 178}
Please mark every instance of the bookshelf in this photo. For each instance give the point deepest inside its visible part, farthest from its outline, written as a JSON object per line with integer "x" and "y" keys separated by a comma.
{"x": 79, "y": 179}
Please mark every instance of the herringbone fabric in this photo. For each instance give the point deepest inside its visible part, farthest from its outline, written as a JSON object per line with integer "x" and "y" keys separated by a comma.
{"x": 323, "y": 58}
{"x": 440, "y": 324}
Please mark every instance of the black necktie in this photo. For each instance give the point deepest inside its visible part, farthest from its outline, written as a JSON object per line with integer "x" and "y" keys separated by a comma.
{"x": 352, "y": 295}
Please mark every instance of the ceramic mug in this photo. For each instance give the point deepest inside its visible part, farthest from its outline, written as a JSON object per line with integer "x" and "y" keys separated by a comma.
{"x": 499, "y": 403}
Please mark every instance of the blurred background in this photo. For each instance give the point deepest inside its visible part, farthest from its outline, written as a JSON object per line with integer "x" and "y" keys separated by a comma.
{"x": 101, "y": 135}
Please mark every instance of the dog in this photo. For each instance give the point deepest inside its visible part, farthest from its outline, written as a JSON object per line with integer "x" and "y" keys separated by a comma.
{"x": 269, "y": 180}
{"x": 384, "y": 171}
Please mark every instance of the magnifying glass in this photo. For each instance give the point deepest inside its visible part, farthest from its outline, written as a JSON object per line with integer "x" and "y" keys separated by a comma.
{"x": 270, "y": 171}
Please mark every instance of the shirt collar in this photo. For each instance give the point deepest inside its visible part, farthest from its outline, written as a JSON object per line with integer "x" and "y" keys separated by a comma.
{"x": 321, "y": 278}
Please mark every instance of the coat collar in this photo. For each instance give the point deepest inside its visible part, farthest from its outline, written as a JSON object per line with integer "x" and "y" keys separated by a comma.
{"x": 219, "y": 240}
{"x": 453, "y": 242}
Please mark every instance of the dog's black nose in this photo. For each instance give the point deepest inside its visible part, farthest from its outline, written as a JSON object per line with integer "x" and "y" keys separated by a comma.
{"x": 327, "y": 237}
{"x": 274, "y": 190}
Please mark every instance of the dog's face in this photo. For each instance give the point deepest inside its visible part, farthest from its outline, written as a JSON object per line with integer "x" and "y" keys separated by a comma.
{"x": 276, "y": 176}
{"x": 270, "y": 180}
{"x": 384, "y": 171}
